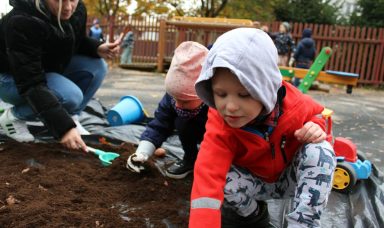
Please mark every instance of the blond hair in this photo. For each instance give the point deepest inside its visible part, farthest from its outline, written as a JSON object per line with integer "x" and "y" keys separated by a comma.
{"x": 37, "y": 5}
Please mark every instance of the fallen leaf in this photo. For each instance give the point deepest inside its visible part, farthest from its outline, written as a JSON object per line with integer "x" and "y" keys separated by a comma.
{"x": 25, "y": 170}
{"x": 11, "y": 200}
{"x": 99, "y": 224}
{"x": 166, "y": 183}
{"x": 42, "y": 188}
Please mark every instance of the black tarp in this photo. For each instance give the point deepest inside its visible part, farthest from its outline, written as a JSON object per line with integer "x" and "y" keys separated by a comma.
{"x": 362, "y": 208}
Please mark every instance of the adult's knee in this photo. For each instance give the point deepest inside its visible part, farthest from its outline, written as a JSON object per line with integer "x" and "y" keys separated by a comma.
{"x": 97, "y": 67}
{"x": 101, "y": 67}
{"x": 71, "y": 100}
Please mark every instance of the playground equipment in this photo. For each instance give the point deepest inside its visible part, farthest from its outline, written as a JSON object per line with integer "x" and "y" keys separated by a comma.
{"x": 350, "y": 166}
{"x": 204, "y": 30}
{"x": 215, "y": 20}
{"x": 315, "y": 73}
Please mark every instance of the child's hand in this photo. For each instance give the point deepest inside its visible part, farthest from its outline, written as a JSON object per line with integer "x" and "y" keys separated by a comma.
{"x": 310, "y": 133}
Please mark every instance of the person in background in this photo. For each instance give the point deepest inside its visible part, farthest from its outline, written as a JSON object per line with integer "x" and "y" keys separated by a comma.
{"x": 264, "y": 140}
{"x": 49, "y": 68}
{"x": 179, "y": 109}
{"x": 305, "y": 53}
{"x": 96, "y": 32}
{"x": 284, "y": 43}
{"x": 256, "y": 24}
{"x": 265, "y": 29}
{"x": 127, "y": 45}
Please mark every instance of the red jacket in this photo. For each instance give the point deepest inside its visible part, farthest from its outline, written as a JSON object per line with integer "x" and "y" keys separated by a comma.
{"x": 223, "y": 146}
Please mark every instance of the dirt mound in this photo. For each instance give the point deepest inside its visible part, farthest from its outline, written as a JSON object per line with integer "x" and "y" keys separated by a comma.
{"x": 47, "y": 185}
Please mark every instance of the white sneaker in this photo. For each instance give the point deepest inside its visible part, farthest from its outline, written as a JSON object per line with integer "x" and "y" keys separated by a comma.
{"x": 15, "y": 128}
{"x": 79, "y": 127}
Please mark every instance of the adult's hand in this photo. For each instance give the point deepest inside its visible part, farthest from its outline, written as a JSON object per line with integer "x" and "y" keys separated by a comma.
{"x": 72, "y": 140}
{"x": 110, "y": 50}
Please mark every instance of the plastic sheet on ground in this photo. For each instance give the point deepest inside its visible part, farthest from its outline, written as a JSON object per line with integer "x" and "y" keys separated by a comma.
{"x": 362, "y": 208}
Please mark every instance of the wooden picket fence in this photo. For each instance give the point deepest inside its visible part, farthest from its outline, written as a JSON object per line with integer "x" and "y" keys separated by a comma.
{"x": 357, "y": 50}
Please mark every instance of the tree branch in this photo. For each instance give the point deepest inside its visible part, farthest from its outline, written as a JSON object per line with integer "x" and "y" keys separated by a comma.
{"x": 221, "y": 7}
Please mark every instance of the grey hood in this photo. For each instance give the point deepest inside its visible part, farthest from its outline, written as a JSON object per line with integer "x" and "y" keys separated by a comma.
{"x": 252, "y": 56}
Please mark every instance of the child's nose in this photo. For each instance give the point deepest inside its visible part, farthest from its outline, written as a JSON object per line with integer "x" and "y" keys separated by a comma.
{"x": 232, "y": 106}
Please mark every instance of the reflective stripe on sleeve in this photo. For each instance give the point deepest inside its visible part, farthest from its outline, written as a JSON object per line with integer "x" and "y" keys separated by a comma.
{"x": 205, "y": 202}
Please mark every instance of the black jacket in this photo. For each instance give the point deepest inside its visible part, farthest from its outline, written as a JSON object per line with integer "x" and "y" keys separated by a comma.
{"x": 31, "y": 44}
{"x": 305, "y": 53}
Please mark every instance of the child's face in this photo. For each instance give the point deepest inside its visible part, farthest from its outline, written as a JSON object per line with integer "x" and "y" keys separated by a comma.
{"x": 232, "y": 100}
{"x": 187, "y": 104}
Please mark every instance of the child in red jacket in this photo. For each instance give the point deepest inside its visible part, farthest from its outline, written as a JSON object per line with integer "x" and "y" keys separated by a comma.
{"x": 264, "y": 139}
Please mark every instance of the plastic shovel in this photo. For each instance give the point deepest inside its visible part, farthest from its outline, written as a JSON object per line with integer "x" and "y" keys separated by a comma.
{"x": 106, "y": 158}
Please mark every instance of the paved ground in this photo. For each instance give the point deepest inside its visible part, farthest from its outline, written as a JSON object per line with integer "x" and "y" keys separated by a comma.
{"x": 358, "y": 116}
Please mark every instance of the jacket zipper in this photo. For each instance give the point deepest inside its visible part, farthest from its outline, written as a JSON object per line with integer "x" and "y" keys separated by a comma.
{"x": 270, "y": 144}
{"x": 282, "y": 146}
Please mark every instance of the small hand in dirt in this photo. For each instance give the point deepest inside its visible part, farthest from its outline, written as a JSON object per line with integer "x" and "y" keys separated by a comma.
{"x": 135, "y": 162}
{"x": 72, "y": 140}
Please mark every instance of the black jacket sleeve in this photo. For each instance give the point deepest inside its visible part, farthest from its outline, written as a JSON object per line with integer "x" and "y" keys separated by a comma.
{"x": 163, "y": 124}
{"x": 24, "y": 38}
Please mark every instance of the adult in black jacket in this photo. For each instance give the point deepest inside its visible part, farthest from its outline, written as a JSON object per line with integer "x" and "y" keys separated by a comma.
{"x": 49, "y": 68}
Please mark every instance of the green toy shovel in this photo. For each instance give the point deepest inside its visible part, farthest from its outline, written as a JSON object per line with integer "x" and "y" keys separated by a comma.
{"x": 106, "y": 158}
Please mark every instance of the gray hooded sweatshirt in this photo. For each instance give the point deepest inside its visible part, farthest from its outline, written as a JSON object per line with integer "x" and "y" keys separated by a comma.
{"x": 251, "y": 55}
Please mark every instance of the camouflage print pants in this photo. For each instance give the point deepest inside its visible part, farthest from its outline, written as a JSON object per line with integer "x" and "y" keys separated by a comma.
{"x": 308, "y": 179}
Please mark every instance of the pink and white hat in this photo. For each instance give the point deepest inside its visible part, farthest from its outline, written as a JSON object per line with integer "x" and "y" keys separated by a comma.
{"x": 184, "y": 70}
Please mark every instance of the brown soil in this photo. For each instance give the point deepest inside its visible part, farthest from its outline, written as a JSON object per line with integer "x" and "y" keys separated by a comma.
{"x": 44, "y": 185}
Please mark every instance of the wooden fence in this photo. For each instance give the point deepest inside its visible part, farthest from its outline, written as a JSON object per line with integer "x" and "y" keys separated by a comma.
{"x": 355, "y": 49}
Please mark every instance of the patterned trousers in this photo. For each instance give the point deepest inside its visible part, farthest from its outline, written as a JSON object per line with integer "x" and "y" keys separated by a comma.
{"x": 308, "y": 180}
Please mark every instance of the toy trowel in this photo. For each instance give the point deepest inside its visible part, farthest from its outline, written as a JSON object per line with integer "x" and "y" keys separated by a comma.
{"x": 106, "y": 158}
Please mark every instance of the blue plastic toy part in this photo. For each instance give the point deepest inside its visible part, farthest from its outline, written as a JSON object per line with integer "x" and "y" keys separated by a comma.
{"x": 341, "y": 73}
{"x": 363, "y": 169}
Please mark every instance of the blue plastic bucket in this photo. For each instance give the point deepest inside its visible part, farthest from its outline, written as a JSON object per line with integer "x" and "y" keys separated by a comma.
{"x": 128, "y": 110}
